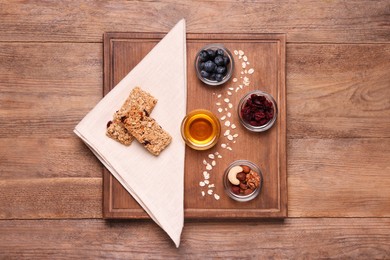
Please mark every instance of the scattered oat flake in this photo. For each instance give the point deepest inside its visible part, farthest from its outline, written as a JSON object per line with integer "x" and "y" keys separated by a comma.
{"x": 230, "y": 137}
{"x": 250, "y": 71}
{"x": 245, "y": 58}
{"x": 211, "y": 156}
{"x": 226, "y": 100}
{"x": 220, "y": 110}
{"x": 247, "y": 62}
{"x": 204, "y": 162}
{"x": 201, "y": 184}
{"x": 229, "y": 93}
{"x": 227, "y": 123}
{"x": 229, "y": 114}
{"x": 239, "y": 57}
{"x": 241, "y": 86}
{"x": 211, "y": 186}
{"x": 210, "y": 192}
{"x": 218, "y": 103}
{"x": 216, "y": 196}
{"x": 227, "y": 132}
{"x": 230, "y": 105}
{"x": 234, "y": 142}
{"x": 206, "y": 182}
{"x": 242, "y": 72}
{"x": 223, "y": 145}
{"x": 209, "y": 167}
{"x": 240, "y": 52}
{"x": 229, "y": 148}
{"x": 226, "y": 109}
{"x": 237, "y": 89}
{"x": 213, "y": 163}
{"x": 235, "y": 52}
{"x": 223, "y": 118}
{"x": 235, "y": 135}
{"x": 233, "y": 126}
{"x": 245, "y": 71}
{"x": 219, "y": 156}
{"x": 203, "y": 193}
{"x": 234, "y": 79}
{"x": 231, "y": 88}
{"x": 219, "y": 95}
{"x": 216, "y": 153}
{"x": 206, "y": 175}
{"x": 243, "y": 65}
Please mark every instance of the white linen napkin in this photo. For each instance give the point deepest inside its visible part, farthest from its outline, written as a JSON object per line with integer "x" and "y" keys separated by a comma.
{"x": 156, "y": 183}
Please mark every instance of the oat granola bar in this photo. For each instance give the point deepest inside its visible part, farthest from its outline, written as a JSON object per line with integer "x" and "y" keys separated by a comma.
{"x": 118, "y": 132}
{"x": 147, "y": 131}
{"x": 137, "y": 97}
{"x": 115, "y": 128}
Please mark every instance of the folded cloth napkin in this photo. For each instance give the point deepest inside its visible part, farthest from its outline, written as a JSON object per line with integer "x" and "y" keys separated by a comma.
{"x": 155, "y": 182}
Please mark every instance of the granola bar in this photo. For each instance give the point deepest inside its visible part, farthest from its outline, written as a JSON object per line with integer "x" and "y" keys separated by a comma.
{"x": 147, "y": 131}
{"x": 118, "y": 132}
{"x": 115, "y": 128}
{"x": 138, "y": 97}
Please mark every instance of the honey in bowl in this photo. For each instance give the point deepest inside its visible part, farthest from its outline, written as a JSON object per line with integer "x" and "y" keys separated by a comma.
{"x": 200, "y": 129}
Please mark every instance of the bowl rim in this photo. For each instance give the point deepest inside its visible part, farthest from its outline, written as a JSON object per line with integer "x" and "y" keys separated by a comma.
{"x": 213, "y": 117}
{"x": 228, "y": 75}
{"x": 261, "y": 128}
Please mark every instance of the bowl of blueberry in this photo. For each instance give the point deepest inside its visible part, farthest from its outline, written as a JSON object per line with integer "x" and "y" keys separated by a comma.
{"x": 257, "y": 111}
{"x": 214, "y": 64}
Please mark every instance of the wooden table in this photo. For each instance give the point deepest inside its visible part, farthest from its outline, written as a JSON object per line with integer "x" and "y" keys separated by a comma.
{"x": 338, "y": 130}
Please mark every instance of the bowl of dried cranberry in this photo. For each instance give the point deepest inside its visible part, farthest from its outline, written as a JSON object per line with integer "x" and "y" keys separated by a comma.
{"x": 257, "y": 111}
{"x": 214, "y": 64}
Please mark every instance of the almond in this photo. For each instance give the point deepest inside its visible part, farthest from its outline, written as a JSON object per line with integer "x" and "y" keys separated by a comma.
{"x": 245, "y": 169}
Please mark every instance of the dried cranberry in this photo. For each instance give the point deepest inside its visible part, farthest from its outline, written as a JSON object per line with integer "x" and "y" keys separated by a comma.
{"x": 257, "y": 110}
{"x": 236, "y": 190}
{"x": 146, "y": 112}
{"x": 263, "y": 121}
{"x": 259, "y": 115}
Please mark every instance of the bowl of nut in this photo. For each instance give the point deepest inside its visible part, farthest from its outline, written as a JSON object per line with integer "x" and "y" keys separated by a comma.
{"x": 214, "y": 64}
{"x": 242, "y": 180}
{"x": 257, "y": 111}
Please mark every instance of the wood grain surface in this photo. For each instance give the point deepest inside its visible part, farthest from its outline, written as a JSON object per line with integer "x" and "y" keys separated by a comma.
{"x": 338, "y": 121}
{"x": 304, "y": 21}
{"x": 266, "y": 54}
{"x": 340, "y": 238}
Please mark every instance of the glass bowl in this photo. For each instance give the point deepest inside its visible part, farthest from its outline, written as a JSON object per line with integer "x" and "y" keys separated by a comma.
{"x": 229, "y": 66}
{"x": 229, "y": 186}
{"x": 256, "y": 126}
{"x": 200, "y": 129}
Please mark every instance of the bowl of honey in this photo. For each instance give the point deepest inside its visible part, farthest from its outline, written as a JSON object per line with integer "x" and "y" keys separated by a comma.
{"x": 200, "y": 129}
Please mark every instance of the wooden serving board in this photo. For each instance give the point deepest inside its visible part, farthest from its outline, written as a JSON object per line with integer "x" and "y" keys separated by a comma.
{"x": 266, "y": 55}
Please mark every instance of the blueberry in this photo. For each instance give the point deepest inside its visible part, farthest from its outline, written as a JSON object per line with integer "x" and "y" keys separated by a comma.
{"x": 209, "y": 66}
{"x": 204, "y": 74}
{"x": 218, "y": 77}
{"x": 226, "y": 60}
{"x": 212, "y": 76}
{"x": 201, "y": 66}
{"x": 203, "y": 56}
{"x": 219, "y": 60}
{"x": 211, "y": 54}
{"x": 221, "y": 70}
{"x": 220, "y": 52}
